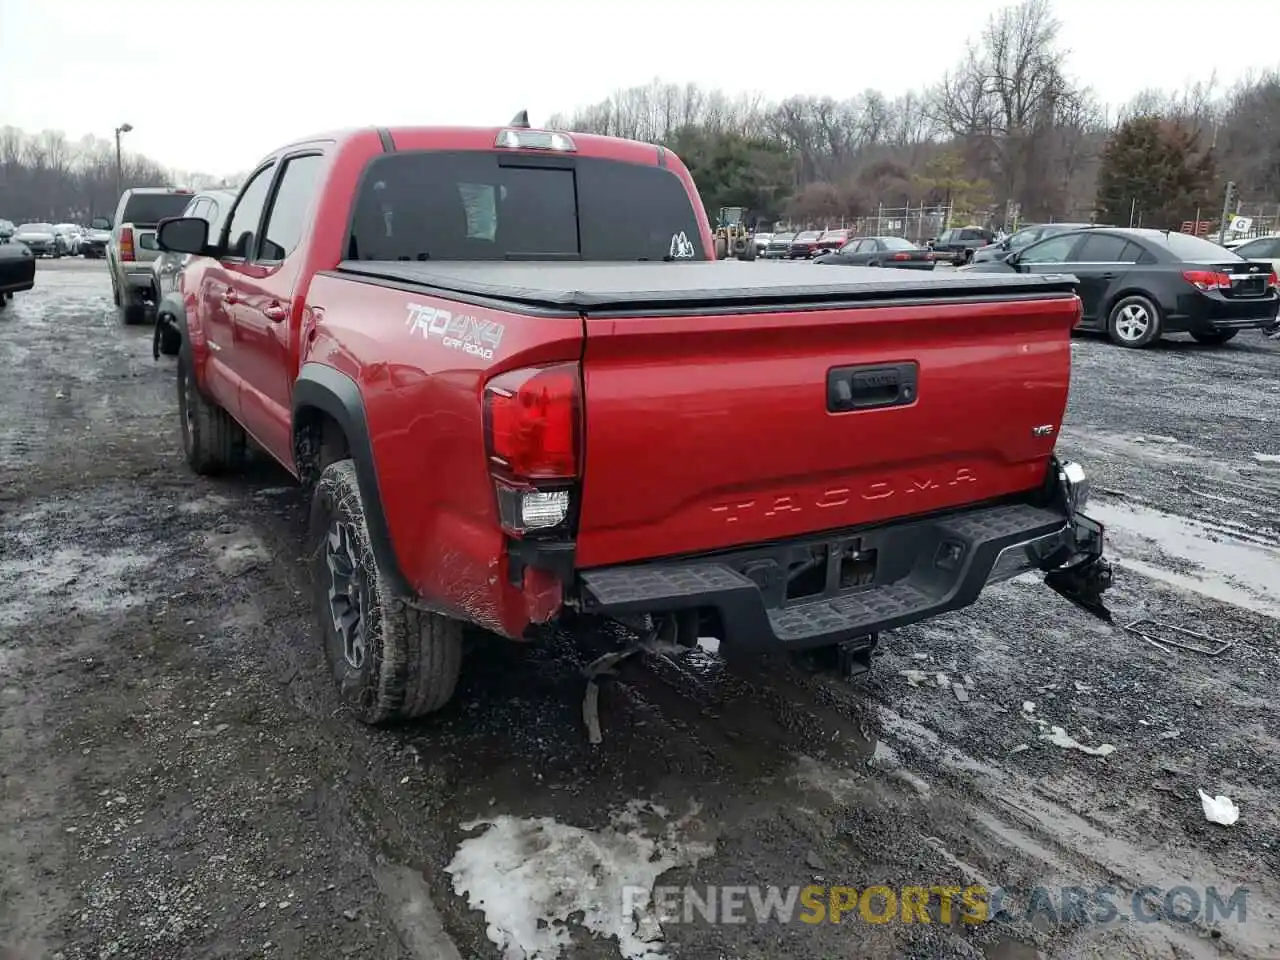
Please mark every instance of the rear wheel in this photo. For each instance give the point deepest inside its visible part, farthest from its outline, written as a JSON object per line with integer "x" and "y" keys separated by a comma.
{"x": 389, "y": 660}
{"x": 1213, "y": 337}
{"x": 212, "y": 442}
{"x": 1134, "y": 322}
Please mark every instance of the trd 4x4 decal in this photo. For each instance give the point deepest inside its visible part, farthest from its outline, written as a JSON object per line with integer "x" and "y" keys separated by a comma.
{"x": 470, "y": 335}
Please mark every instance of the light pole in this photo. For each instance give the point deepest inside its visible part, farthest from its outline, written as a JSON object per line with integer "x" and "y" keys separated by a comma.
{"x": 123, "y": 128}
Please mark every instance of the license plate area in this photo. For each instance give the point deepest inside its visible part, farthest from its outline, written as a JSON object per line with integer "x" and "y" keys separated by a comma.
{"x": 813, "y": 570}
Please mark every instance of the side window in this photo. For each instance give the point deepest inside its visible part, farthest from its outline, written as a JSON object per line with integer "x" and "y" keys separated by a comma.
{"x": 211, "y": 211}
{"x": 289, "y": 209}
{"x": 1135, "y": 254}
{"x": 1024, "y": 238}
{"x": 945, "y": 237}
{"x": 1054, "y": 250}
{"x": 1268, "y": 249}
{"x": 1100, "y": 248}
{"x": 195, "y": 208}
{"x": 247, "y": 214}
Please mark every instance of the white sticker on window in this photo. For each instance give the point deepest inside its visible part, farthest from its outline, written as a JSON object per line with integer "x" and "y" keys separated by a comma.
{"x": 681, "y": 248}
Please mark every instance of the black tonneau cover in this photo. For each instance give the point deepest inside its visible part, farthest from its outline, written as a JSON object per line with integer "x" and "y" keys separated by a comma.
{"x": 596, "y": 286}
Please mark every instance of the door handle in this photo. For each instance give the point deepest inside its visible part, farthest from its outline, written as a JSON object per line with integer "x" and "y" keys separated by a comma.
{"x": 275, "y": 311}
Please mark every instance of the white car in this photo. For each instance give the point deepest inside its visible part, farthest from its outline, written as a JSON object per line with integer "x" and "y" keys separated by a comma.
{"x": 1261, "y": 248}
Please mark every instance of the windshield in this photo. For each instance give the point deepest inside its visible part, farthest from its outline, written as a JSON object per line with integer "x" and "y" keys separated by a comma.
{"x": 148, "y": 209}
{"x": 896, "y": 243}
{"x": 99, "y": 223}
{"x": 36, "y": 228}
{"x": 783, "y": 237}
{"x": 480, "y": 205}
{"x": 1191, "y": 249}
{"x": 809, "y": 235}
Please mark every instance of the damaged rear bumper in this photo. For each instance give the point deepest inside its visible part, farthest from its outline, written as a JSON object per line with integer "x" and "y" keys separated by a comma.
{"x": 802, "y": 594}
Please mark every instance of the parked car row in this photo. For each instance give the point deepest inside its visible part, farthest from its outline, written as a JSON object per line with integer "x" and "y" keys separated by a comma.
{"x": 59, "y": 239}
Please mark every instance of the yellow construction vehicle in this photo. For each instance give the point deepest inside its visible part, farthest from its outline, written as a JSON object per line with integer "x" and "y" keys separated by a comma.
{"x": 733, "y": 239}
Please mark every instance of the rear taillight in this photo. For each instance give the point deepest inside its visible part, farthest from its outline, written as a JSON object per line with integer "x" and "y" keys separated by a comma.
{"x": 126, "y": 243}
{"x": 1207, "y": 279}
{"x": 902, "y": 256}
{"x": 1273, "y": 281}
{"x": 533, "y": 439}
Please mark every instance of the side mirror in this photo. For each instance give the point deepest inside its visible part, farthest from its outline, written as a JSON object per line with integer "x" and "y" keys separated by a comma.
{"x": 1011, "y": 259}
{"x": 183, "y": 235}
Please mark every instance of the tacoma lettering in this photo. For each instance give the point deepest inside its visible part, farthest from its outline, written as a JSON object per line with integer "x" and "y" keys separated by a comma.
{"x": 840, "y": 496}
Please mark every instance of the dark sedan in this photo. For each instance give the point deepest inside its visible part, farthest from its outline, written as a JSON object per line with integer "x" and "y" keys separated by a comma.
{"x": 881, "y": 252}
{"x": 1021, "y": 239}
{"x": 17, "y": 270}
{"x": 1138, "y": 284}
{"x": 779, "y": 246}
{"x": 804, "y": 245}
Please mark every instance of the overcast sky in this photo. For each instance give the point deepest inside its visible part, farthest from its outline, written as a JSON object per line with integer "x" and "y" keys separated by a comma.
{"x": 214, "y": 86}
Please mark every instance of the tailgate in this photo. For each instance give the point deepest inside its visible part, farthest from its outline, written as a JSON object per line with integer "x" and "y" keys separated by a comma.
{"x": 707, "y": 432}
{"x": 145, "y": 248}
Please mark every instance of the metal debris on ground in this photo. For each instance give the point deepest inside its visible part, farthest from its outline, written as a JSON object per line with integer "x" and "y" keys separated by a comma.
{"x": 606, "y": 665}
{"x": 1195, "y": 642}
{"x": 961, "y": 693}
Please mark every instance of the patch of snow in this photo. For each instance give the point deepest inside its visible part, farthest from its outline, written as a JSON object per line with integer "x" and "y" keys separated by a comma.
{"x": 1267, "y": 457}
{"x": 529, "y": 876}
{"x": 1060, "y": 738}
{"x": 69, "y": 579}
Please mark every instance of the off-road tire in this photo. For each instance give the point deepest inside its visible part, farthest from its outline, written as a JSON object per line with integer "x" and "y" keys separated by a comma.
{"x": 1116, "y": 320}
{"x": 132, "y": 312}
{"x": 170, "y": 339}
{"x": 410, "y": 657}
{"x": 212, "y": 442}
{"x": 1213, "y": 338}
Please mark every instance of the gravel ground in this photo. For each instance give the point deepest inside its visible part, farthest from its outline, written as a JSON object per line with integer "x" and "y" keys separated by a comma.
{"x": 178, "y": 780}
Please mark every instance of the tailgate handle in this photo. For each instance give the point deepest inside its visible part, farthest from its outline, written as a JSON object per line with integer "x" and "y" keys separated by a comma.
{"x": 871, "y": 387}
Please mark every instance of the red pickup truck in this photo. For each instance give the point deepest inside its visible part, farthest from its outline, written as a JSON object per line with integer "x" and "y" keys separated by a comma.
{"x": 520, "y": 388}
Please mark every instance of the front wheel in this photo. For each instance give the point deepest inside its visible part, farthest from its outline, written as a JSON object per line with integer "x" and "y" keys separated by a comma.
{"x": 1134, "y": 322}
{"x": 1213, "y": 337}
{"x": 388, "y": 660}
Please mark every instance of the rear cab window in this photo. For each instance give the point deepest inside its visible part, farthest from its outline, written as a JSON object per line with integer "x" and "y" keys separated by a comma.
{"x": 465, "y": 205}
{"x": 148, "y": 209}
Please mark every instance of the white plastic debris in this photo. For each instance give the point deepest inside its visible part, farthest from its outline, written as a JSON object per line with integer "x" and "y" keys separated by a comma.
{"x": 1028, "y": 706}
{"x": 1219, "y": 809}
